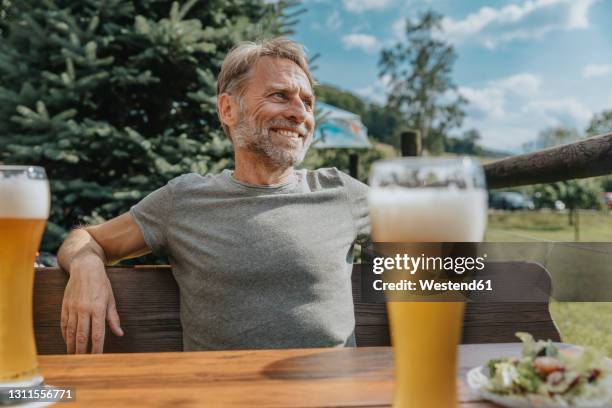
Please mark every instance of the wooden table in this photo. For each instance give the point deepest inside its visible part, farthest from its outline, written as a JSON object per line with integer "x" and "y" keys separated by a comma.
{"x": 348, "y": 377}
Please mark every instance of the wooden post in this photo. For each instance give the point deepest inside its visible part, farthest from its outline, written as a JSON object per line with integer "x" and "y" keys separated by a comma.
{"x": 354, "y": 165}
{"x": 411, "y": 143}
{"x": 577, "y": 225}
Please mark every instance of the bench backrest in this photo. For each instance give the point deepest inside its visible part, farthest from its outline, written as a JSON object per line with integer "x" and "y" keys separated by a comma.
{"x": 148, "y": 305}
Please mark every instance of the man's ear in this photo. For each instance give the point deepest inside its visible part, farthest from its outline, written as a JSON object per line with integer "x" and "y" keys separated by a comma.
{"x": 228, "y": 109}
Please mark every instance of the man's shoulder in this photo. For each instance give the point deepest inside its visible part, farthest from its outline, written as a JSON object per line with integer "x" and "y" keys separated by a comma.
{"x": 323, "y": 178}
{"x": 189, "y": 181}
{"x": 331, "y": 177}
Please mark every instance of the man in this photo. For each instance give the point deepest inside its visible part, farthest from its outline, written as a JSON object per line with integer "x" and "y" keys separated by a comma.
{"x": 261, "y": 255}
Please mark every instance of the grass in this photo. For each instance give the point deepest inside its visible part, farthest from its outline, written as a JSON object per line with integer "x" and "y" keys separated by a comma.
{"x": 552, "y": 226}
{"x": 584, "y": 323}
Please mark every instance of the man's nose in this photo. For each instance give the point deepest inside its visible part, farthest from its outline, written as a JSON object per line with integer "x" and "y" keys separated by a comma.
{"x": 297, "y": 111}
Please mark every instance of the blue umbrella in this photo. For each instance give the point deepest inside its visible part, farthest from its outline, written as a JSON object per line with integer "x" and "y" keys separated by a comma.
{"x": 339, "y": 129}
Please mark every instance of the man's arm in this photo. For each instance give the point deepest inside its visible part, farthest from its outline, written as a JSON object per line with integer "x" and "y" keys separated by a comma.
{"x": 88, "y": 298}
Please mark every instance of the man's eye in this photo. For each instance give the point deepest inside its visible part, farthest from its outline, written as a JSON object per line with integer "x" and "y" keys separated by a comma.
{"x": 308, "y": 103}
{"x": 280, "y": 95}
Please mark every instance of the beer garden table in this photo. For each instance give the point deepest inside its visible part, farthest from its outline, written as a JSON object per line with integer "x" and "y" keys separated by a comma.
{"x": 319, "y": 377}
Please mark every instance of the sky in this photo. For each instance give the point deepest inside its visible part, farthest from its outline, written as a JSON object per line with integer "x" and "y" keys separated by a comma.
{"x": 523, "y": 65}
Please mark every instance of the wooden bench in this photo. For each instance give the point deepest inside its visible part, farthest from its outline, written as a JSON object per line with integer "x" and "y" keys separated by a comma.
{"x": 148, "y": 305}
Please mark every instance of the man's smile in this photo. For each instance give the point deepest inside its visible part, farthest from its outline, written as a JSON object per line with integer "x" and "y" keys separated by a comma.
{"x": 293, "y": 134}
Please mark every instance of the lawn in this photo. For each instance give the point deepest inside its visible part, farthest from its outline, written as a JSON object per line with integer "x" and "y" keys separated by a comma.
{"x": 582, "y": 323}
{"x": 523, "y": 226}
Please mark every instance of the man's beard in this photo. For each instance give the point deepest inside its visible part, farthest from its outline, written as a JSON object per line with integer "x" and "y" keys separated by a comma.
{"x": 258, "y": 139}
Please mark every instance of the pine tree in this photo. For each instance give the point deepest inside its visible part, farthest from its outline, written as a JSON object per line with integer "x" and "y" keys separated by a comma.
{"x": 116, "y": 97}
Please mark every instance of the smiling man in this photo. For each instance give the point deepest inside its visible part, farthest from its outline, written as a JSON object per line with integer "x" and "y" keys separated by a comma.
{"x": 261, "y": 254}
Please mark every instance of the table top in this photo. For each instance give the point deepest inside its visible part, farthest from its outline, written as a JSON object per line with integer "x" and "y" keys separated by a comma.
{"x": 319, "y": 377}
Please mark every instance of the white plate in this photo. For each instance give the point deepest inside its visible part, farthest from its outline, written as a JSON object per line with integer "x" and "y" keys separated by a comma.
{"x": 476, "y": 379}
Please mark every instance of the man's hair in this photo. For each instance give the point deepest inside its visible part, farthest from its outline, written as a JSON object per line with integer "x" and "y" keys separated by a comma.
{"x": 236, "y": 68}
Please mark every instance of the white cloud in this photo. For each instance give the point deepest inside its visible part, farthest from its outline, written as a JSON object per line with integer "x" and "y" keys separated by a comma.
{"x": 578, "y": 16}
{"x": 398, "y": 28}
{"x": 564, "y": 111}
{"x": 364, "y": 42}
{"x": 531, "y": 19}
{"x": 358, "y": 6}
{"x": 376, "y": 92}
{"x": 491, "y": 99}
{"x": 487, "y": 101}
{"x": 520, "y": 84}
{"x": 512, "y": 110}
{"x": 594, "y": 70}
{"x": 333, "y": 22}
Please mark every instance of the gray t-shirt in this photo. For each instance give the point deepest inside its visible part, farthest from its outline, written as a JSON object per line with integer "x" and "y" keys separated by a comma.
{"x": 260, "y": 266}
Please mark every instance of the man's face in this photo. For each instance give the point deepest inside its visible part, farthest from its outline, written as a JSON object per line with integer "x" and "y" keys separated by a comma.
{"x": 276, "y": 112}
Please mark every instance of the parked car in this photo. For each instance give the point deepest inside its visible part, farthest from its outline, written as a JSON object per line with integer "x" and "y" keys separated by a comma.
{"x": 511, "y": 201}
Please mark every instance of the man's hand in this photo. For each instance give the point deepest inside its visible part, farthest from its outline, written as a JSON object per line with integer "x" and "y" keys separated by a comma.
{"x": 88, "y": 303}
{"x": 88, "y": 298}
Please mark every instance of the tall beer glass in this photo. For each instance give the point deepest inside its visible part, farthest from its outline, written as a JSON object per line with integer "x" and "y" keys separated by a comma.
{"x": 24, "y": 209}
{"x": 426, "y": 200}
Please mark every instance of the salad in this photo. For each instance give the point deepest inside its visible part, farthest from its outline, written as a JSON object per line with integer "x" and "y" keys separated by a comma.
{"x": 546, "y": 376}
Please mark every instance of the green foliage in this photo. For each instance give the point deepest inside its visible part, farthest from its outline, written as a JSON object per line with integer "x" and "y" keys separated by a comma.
{"x": 575, "y": 194}
{"x": 467, "y": 144}
{"x": 585, "y": 193}
{"x": 606, "y": 183}
{"x": 342, "y": 99}
{"x": 600, "y": 124}
{"x": 116, "y": 97}
{"x": 384, "y": 124}
{"x": 421, "y": 87}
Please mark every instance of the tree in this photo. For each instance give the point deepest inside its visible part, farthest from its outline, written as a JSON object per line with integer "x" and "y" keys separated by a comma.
{"x": 421, "y": 87}
{"x": 600, "y": 124}
{"x": 342, "y": 99}
{"x": 466, "y": 144}
{"x": 575, "y": 194}
{"x": 384, "y": 124}
{"x": 606, "y": 183}
{"x": 116, "y": 97}
{"x": 4, "y": 9}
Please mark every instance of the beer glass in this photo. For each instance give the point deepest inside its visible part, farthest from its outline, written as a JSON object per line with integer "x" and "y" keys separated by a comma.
{"x": 24, "y": 209}
{"x": 426, "y": 200}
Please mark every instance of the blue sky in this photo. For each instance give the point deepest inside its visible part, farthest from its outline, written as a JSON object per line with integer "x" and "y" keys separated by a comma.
{"x": 524, "y": 65}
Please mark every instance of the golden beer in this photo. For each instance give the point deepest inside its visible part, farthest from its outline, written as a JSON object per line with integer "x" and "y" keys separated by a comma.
{"x": 425, "y": 334}
{"x": 24, "y": 208}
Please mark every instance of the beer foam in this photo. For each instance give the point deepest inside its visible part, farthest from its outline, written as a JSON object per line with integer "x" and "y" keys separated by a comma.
{"x": 22, "y": 197}
{"x": 427, "y": 214}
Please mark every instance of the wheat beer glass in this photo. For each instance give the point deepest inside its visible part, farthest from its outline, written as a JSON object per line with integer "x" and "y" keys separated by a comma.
{"x": 24, "y": 209}
{"x": 426, "y": 200}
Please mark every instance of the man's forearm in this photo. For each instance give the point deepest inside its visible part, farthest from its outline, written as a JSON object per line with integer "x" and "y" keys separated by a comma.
{"x": 79, "y": 244}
